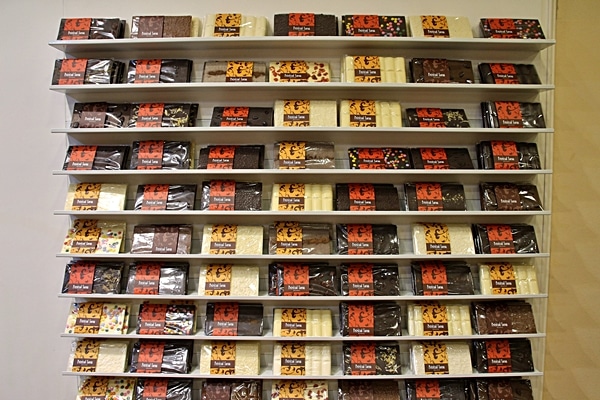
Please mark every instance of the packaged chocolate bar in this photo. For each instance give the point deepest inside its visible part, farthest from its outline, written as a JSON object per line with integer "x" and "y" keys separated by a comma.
{"x": 303, "y": 155}
{"x": 232, "y": 157}
{"x": 437, "y": 118}
{"x": 501, "y": 154}
{"x": 374, "y": 25}
{"x": 315, "y": 113}
{"x": 370, "y": 280}
{"x": 306, "y": 279}
{"x": 454, "y": 389}
{"x": 157, "y": 197}
{"x": 442, "y": 278}
{"x": 379, "y": 158}
{"x": 506, "y": 196}
{"x": 234, "y": 71}
{"x": 166, "y": 319}
{"x": 103, "y": 386}
{"x": 440, "y": 70}
{"x": 366, "y": 197}
{"x": 151, "y": 27}
{"x": 505, "y": 239}
{"x": 499, "y": 388}
{"x": 441, "y": 158}
{"x": 103, "y": 356}
{"x": 92, "y": 277}
{"x": 373, "y": 69}
{"x": 228, "y": 357}
{"x": 302, "y": 322}
{"x": 440, "y": 358}
{"x": 290, "y": 71}
{"x": 233, "y": 319}
{"x": 435, "y": 238}
{"x": 509, "y": 74}
{"x": 242, "y": 116}
{"x": 96, "y": 157}
{"x": 502, "y": 355}
{"x": 512, "y": 114}
{"x": 294, "y": 238}
{"x": 157, "y": 278}
{"x": 228, "y": 280}
{"x": 229, "y": 25}
{"x": 305, "y": 24}
{"x": 370, "y": 319}
{"x": 169, "y": 389}
{"x": 431, "y": 196}
{"x": 301, "y": 359}
{"x": 90, "y": 28}
{"x": 370, "y": 114}
{"x": 167, "y": 357}
{"x": 232, "y": 239}
{"x": 219, "y": 195}
{"x": 371, "y": 358}
{"x": 231, "y": 390}
{"x": 159, "y": 71}
{"x": 361, "y": 239}
{"x": 440, "y": 26}
{"x": 507, "y": 278}
{"x": 80, "y": 71}
{"x": 508, "y": 28}
{"x": 100, "y": 115}
{"x": 91, "y": 236}
{"x": 503, "y": 317}
{"x": 162, "y": 239}
{"x": 87, "y": 196}
{"x": 301, "y": 197}
{"x": 359, "y": 390}
{"x": 438, "y": 319}
{"x": 161, "y": 115}
{"x": 304, "y": 389}
{"x": 161, "y": 154}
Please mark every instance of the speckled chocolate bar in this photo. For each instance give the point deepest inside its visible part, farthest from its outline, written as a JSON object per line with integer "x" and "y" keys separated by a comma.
{"x": 437, "y": 118}
{"x": 180, "y": 115}
{"x": 368, "y": 390}
{"x": 386, "y": 197}
{"x": 383, "y": 239}
{"x": 386, "y": 320}
{"x": 437, "y": 70}
{"x": 176, "y": 389}
{"x": 503, "y": 317}
{"x": 147, "y": 26}
{"x": 499, "y": 388}
{"x": 106, "y": 157}
{"x": 247, "y": 197}
{"x": 441, "y": 278}
{"x": 379, "y": 158}
{"x": 175, "y": 155}
{"x": 105, "y": 278}
{"x": 304, "y": 24}
{"x": 512, "y": 114}
{"x": 374, "y": 25}
{"x": 316, "y": 155}
{"x": 500, "y": 154}
{"x": 505, "y": 239}
{"x": 255, "y": 116}
{"x": 249, "y": 319}
{"x": 454, "y": 389}
{"x": 217, "y": 71}
{"x": 322, "y": 279}
{"x": 509, "y": 74}
{"x": 245, "y": 157}
{"x": 177, "y": 26}
{"x": 506, "y": 196}
{"x": 385, "y": 280}
{"x": 424, "y": 197}
{"x": 386, "y": 356}
{"x": 171, "y": 71}
{"x": 497, "y": 356}
{"x": 179, "y": 197}
{"x": 507, "y": 28}
{"x": 441, "y": 158}
{"x": 176, "y": 356}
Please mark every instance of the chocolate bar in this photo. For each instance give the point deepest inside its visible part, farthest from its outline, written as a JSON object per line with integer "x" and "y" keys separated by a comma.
{"x": 74, "y": 71}
{"x": 232, "y": 157}
{"x": 438, "y": 70}
{"x": 232, "y": 239}
{"x": 96, "y": 157}
{"x": 174, "y": 389}
{"x": 301, "y": 197}
{"x": 501, "y": 355}
{"x": 234, "y": 71}
{"x": 505, "y": 239}
{"x": 92, "y": 277}
{"x": 230, "y": 25}
{"x": 436, "y": 238}
{"x": 231, "y": 390}
{"x": 299, "y": 71}
{"x": 91, "y": 28}
{"x": 313, "y": 279}
{"x": 159, "y": 71}
{"x": 370, "y": 114}
{"x": 455, "y": 389}
{"x": 242, "y": 116}
{"x": 154, "y": 197}
{"x": 503, "y": 317}
{"x": 373, "y": 69}
{"x": 360, "y": 239}
{"x": 306, "y": 113}
{"x": 362, "y": 279}
{"x": 507, "y": 74}
{"x": 499, "y": 154}
{"x": 441, "y": 158}
{"x": 176, "y": 356}
{"x": 303, "y": 155}
{"x": 516, "y": 389}
{"x": 161, "y": 239}
{"x": 438, "y": 278}
{"x": 371, "y": 358}
{"x": 440, "y": 26}
{"x": 379, "y": 158}
{"x": 507, "y": 28}
{"x": 160, "y": 154}
{"x": 438, "y": 319}
{"x": 431, "y": 196}
{"x": 293, "y": 238}
{"x": 248, "y": 319}
{"x": 374, "y": 25}
{"x": 230, "y": 195}
{"x": 305, "y": 24}
{"x": 362, "y": 390}
{"x": 437, "y": 118}
{"x": 506, "y": 196}
{"x": 370, "y": 319}
{"x": 512, "y": 114}
{"x": 151, "y": 278}
{"x": 366, "y": 197}
{"x": 451, "y": 357}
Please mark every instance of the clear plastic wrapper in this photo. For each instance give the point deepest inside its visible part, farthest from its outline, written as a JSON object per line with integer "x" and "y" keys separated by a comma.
{"x": 100, "y": 115}
{"x": 166, "y": 319}
{"x": 103, "y": 72}
{"x": 234, "y": 72}
{"x": 447, "y": 389}
{"x": 222, "y": 357}
{"x": 370, "y": 319}
{"x": 502, "y": 355}
{"x": 157, "y": 26}
{"x": 503, "y": 317}
{"x": 305, "y": 24}
{"x": 440, "y": 358}
{"x": 232, "y": 239}
{"x": 152, "y": 197}
{"x": 437, "y": 118}
{"x": 163, "y": 115}
{"x": 379, "y": 158}
{"x": 98, "y": 355}
{"x": 431, "y": 196}
{"x": 371, "y": 358}
{"x": 159, "y": 71}
{"x": 294, "y": 238}
{"x": 232, "y": 157}
{"x": 440, "y": 26}
{"x": 508, "y": 74}
{"x": 442, "y": 278}
{"x": 360, "y": 239}
{"x": 156, "y": 278}
{"x": 169, "y": 389}
{"x": 500, "y": 154}
{"x": 91, "y": 277}
{"x": 507, "y": 196}
{"x": 162, "y": 239}
{"x": 221, "y": 195}
{"x": 291, "y": 71}
{"x": 90, "y": 28}
{"x": 95, "y": 157}
{"x": 299, "y": 112}
{"x": 373, "y": 69}
{"x": 305, "y": 389}
{"x": 302, "y": 197}
{"x": 366, "y": 197}
{"x": 233, "y": 319}
{"x": 370, "y": 280}
{"x": 302, "y": 322}
{"x": 374, "y": 25}
{"x": 231, "y": 390}
{"x": 498, "y": 388}
{"x": 103, "y": 386}
{"x": 512, "y": 114}
{"x": 441, "y": 158}
{"x": 90, "y": 236}
{"x": 440, "y": 70}
{"x": 161, "y": 154}
{"x": 301, "y": 359}
{"x": 439, "y": 319}
{"x": 228, "y": 280}
{"x": 361, "y": 390}
{"x": 507, "y": 278}
{"x": 436, "y": 238}
{"x": 505, "y": 239}
{"x": 307, "y": 279}
{"x": 228, "y": 25}
{"x": 80, "y": 71}
{"x": 166, "y": 357}
{"x": 303, "y": 155}
{"x": 96, "y": 197}
{"x": 241, "y": 116}
{"x": 370, "y": 114}
{"x": 507, "y": 28}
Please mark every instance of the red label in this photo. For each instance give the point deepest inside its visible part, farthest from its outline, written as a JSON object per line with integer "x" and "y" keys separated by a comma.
{"x": 362, "y": 359}
{"x": 434, "y": 158}
{"x": 360, "y": 280}
{"x": 72, "y": 71}
{"x": 301, "y": 24}
{"x": 509, "y": 114}
{"x": 226, "y": 319}
{"x": 360, "y": 239}
{"x": 155, "y": 389}
{"x": 498, "y": 356}
{"x": 147, "y": 71}
{"x": 147, "y": 278}
{"x": 435, "y": 280}
{"x": 150, "y": 357}
{"x": 296, "y": 280}
{"x": 430, "y": 118}
{"x": 371, "y": 159}
{"x": 503, "y": 28}
{"x": 221, "y": 157}
{"x": 81, "y": 278}
{"x": 504, "y": 74}
{"x": 506, "y": 155}
{"x": 427, "y": 389}
{"x": 76, "y": 29}
{"x": 366, "y": 25}
{"x": 81, "y": 158}
{"x": 362, "y": 197}
{"x": 361, "y": 320}
{"x": 152, "y": 319}
{"x": 221, "y": 196}
{"x": 429, "y": 197}
{"x": 150, "y": 154}
{"x": 150, "y": 115}
{"x": 155, "y": 197}
{"x": 501, "y": 239}
{"x": 235, "y": 116}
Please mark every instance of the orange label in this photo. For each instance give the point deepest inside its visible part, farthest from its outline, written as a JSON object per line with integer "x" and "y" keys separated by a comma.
{"x": 94, "y": 388}
{"x": 435, "y": 26}
{"x": 362, "y": 359}
{"x": 150, "y": 115}
{"x": 292, "y": 155}
{"x": 426, "y": 389}
{"x": 360, "y": 280}
{"x": 291, "y": 197}
{"x": 367, "y": 69}
{"x": 435, "y": 280}
{"x": 435, "y": 357}
{"x": 301, "y": 24}
{"x": 81, "y": 277}
{"x": 152, "y": 319}
{"x": 293, "y": 322}
{"x": 239, "y": 71}
{"x": 222, "y": 358}
{"x": 498, "y": 356}
{"x": 289, "y": 238}
{"x": 235, "y": 116}
{"x": 85, "y": 240}
{"x": 504, "y": 280}
{"x": 360, "y": 239}
{"x": 150, "y": 357}
{"x": 221, "y": 157}
{"x": 227, "y": 25}
{"x": 225, "y": 320}
{"x": 155, "y": 197}
{"x": 76, "y": 29}
{"x": 88, "y": 318}
{"x": 437, "y": 239}
{"x": 150, "y": 154}
{"x": 361, "y": 320}
{"x": 72, "y": 71}
{"x": 218, "y": 280}
{"x": 147, "y": 278}
{"x": 362, "y": 197}
{"x": 366, "y": 25}
{"x": 293, "y": 71}
{"x": 434, "y": 158}
{"x": 430, "y": 118}
{"x": 147, "y": 71}
{"x": 429, "y": 197}
{"x": 503, "y": 28}
{"x": 506, "y": 155}
{"x": 371, "y": 158}
{"x": 86, "y": 196}
{"x": 363, "y": 114}
{"x": 155, "y": 389}
{"x": 435, "y": 319}
{"x": 293, "y": 358}
{"x": 86, "y": 355}
{"x": 296, "y": 280}
{"x": 223, "y": 239}
{"x": 296, "y": 113}
{"x": 501, "y": 239}
{"x": 221, "y": 196}
{"x": 504, "y": 74}
{"x": 81, "y": 158}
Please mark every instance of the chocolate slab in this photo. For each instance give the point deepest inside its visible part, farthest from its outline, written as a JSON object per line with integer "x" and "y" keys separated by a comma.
{"x": 386, "y": 355}
{"x": 249, "y": 320}
{"x": 524, "y": 74}
{"x": 231, "y": 390}
{"x": 499, "y": 388}
{"x": 89, "y": 115}
{"x": 374, "y": 25}
{"x": 322, "y": 279}
{"x": 248, "y": 196}
{"x": 385, "y": 280}
{"x": 458, "y": 279}
{"x": 317, "y": 155}
{"x": 507, "y": 28}
{"x": 257, "y": 116}
{"x": 490, "y": 356}
{"x": 506, "y": 196}
{"x": 176, "y": 389}
{"x": 452, "y": 197}
{"x": 453, "y": 158}
{"x": 103, "y": 72}
{"x": 177, "y": 26}
{"x": 519, "y": 238}
{"x": 386, "y": 322}
{"x": 172, "y": 281}
{"x": 179, "y": 197}
{"x": 245, "y": 157}
{"x": 106, "y": 157}
{"x": 503, "y": 317}
{"x": 216, "y": 71}
{"x": 501, "y": 155}
{"x": 368, "y": 390}
{"x": 147, "y": 26}
{"x": 171, "y": 71}
{"x": 147, "y": 237}
{"x": 379, "y": 158}
{"x": 106, "y": 278}
{"x": 512, "y": 114}
{"x": 443, "y": 117}
{"x": 176, "y": 155}
{"x": 176, "y": 357}
{"x": 435, "y": 70}
{"x": 297, "y": 25}
{"x": 99, "y": 28}
{"x": 383, "y": 241}
{"x": 451, "y": 389}
{"x": 316, "y": 239}
{"x": 386, "y": 197}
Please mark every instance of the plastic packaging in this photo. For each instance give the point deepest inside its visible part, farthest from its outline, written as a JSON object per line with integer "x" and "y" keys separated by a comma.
{"x": 441, "y": 158}
{"x": 153, "y": 197}
{"x": 228, "y": 280}
{"x": 163, "y": 115}
{"x": 96, "y": 197}
{"x": 221, "y": 357}
{"x": 232, "y": 157}
{"x": 440, "y": 26}
{"x": 505, "y": 196}
{"x": 103, "y": 386}
{"x": 502, "y": 355}
{"x": 91, "y": 277}
{"x": 301, "y": 197}
{"x": 166, "y": 319}
{"x": 373, "y": 69}
{"x": 503, "y": 155}
{"x": 439, "y": 319}
{"x": 100, "y": 115}
{"x": 242, "y": 116}
{"x": 507, "y": 28}
{"x": 228, "y": 25}
{"x": 435, "y": 238}
{"x": 505, "y": 239}
{"x": 90, "y": 236}
{"x": 440, "y": 70}
{"x": 303, "y": 155}
{"x": 175, "y": 389}
{"x": 370, "y": 319}
{"x": 91, "y": 318}
{"x": 370, "y": 114}
{"x": 95, "y": 157}
{"x": 305, "y": 389}
{"x": 451, "y": 389}
{"x": 233, "y": 319}
{"x": 292, "y": 71}
{"x": 370, "y": 280}
{"x": 80, "y": 71}
{"x": 155, "y": 278}
{"x": 379, "y": 158}
{"x": 220, "y": 195}
{"x": 159, "y": 71}
{"x": 509, "y": 74}
{"x": 160, "y": 154}
{"x": 512, "y": 114}
{"x": 98, "y": 355}
{"x": 235, "y": 72}
{"x": 503, "y": 317}
{"x": 305, "y": 24}
{"x": 167, "y": 357}
{"x": 152, "y": 27}
{"x": 516, "y": 389}
{"x": 366, "y": 197}
{"x": 307, "y": 279}
{"x": 374, "y": 25}
{"x": 298, "y": 112}
{"x": 294, "y": 238}
{"x": 372, "y": 358}
{"x": 90, "y": 28}
{"x": 437, "y": 118}
{"x": 301, "y": 359}
{"x": 231, "y": 390}
{"x": 507, "y": 278}
{"x": 359, "y": 390}
{"x": 360, "y": 239}
{"x": 431, "y": 196}
{"x": 302, "y": 322}
{"x": 232, "y": 239}
{"x": 440, "y": 358}
{"x": 442, "y": 278}
{"x": 162, "y": 239}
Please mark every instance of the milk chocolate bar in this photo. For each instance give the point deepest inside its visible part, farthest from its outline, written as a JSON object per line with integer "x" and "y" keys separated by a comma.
{"x": 175, "y": 389}
{"x": 386, "y": 319}
{"x": 507, "y": 28}
{"x": 379, "y": 158}
{"x": 440, "y": 26}
{"x": 386, "y": 358}
{"x": 431, "y": 196}
{"x": 162, "y": 239}
{"x": 503, "y": 317}
{"x": 437, "y": 118}
{"x": 512, "y": 114}
{"x": 506, "y": 196}
{"x": 303, "y": 155}
{"x": 438, "y": 278}
{"x": 231, "y": 25}
{"x": 441, "y": 158}
{"x": 293, "y": 238}
{"x": 159, "y": 71}
{"x": 149, "y": 27}
{"x": 91, "y": 28}
{"x": 439, "y": 70}
{"x": 374, "y": 25}
{"x": 247, "y": 319}
{"x": 369, "y": 280}
{"x": 242, "y": 116}
{"x": 505, "y": 239}
{"x": 176, "y": 356}
{"x": 234, "y": 71}
{"x": 508, "y": 74}
{"x": 160, "y": 154}
{"x": 359, "y": 239}
{"x": 232, "y": 157}
{"x": 96, "y": 157}
{"x": 313, "y": 279}
{"x": 516, "y": 389}
{"x": 290, "y": 71}
{"x": 366, "y": 197}
{"x": 501, "y": 355}
{"x": 500, "y": 154}
{"x": 363, "y": 390}
{"x": 230, "y": 195}
{"x": 455, "y": 389}
{"x": 305, "y": 24}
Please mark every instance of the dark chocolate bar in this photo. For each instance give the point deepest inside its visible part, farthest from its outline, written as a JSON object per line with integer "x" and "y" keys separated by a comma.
{"x": 430, "y": 196}
{"x": 169, "y": 71}
{"x": 242, "y": 116}
{"x": 499, "y": 388}
{"x": 386, "y": 356}
{"x": 300, "y": 155}
{"x": 373, "y": 319}
{"x": 104, "y": 157}
{"x": 505, "y": 239}
{"x": 507, "y": 28}
{"x": 499, "y": 356}
{"x": 503, "y": 317}
{"x": 441, "y": 158}
{"x": 305, "y": 24}
{"x": 103, "y": 278}
{"x": 451, "y": 389}
{"x": 438, "y": 278}
{"x": 367, "y": 239}
{"x": 437, "y": 118}
{"x": 175, "y": 155}
{"x": 247, "y": 196}
{"x": 90, "y": 28}
{"x": 374, "y": 25}
{"x": 506, "y": 196}
{"x": 177, "y": 197}
{"x": 232, "y": 157}
{"x": 176, "y": 356}
{"x": 500, "y": 154}
{"x": 512, "y": 114}
{"x": 508, "y": 74}
{"x": 379, "y": 158}
{"x": 231, "y": 390}
{"x": 157, "y": 278}
{"x": 175, "y": 389}
{"x": 366, "y": 390}
{"x": 322, "y": 279}
{"x": 369, "y": 280}
{"x": 234, "y": 71}
{"x": 438, "y": 70}
{"x": 366, "y": 197}
{"x": 249, "y": 320}
{"x": 161, "y": 239}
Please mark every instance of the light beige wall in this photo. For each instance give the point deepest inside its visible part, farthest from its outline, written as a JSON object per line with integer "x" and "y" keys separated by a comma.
{"x": 572, "y": 353}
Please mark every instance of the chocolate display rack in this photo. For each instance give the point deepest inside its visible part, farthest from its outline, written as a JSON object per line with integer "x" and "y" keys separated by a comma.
{"x": 210, "y": 95}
